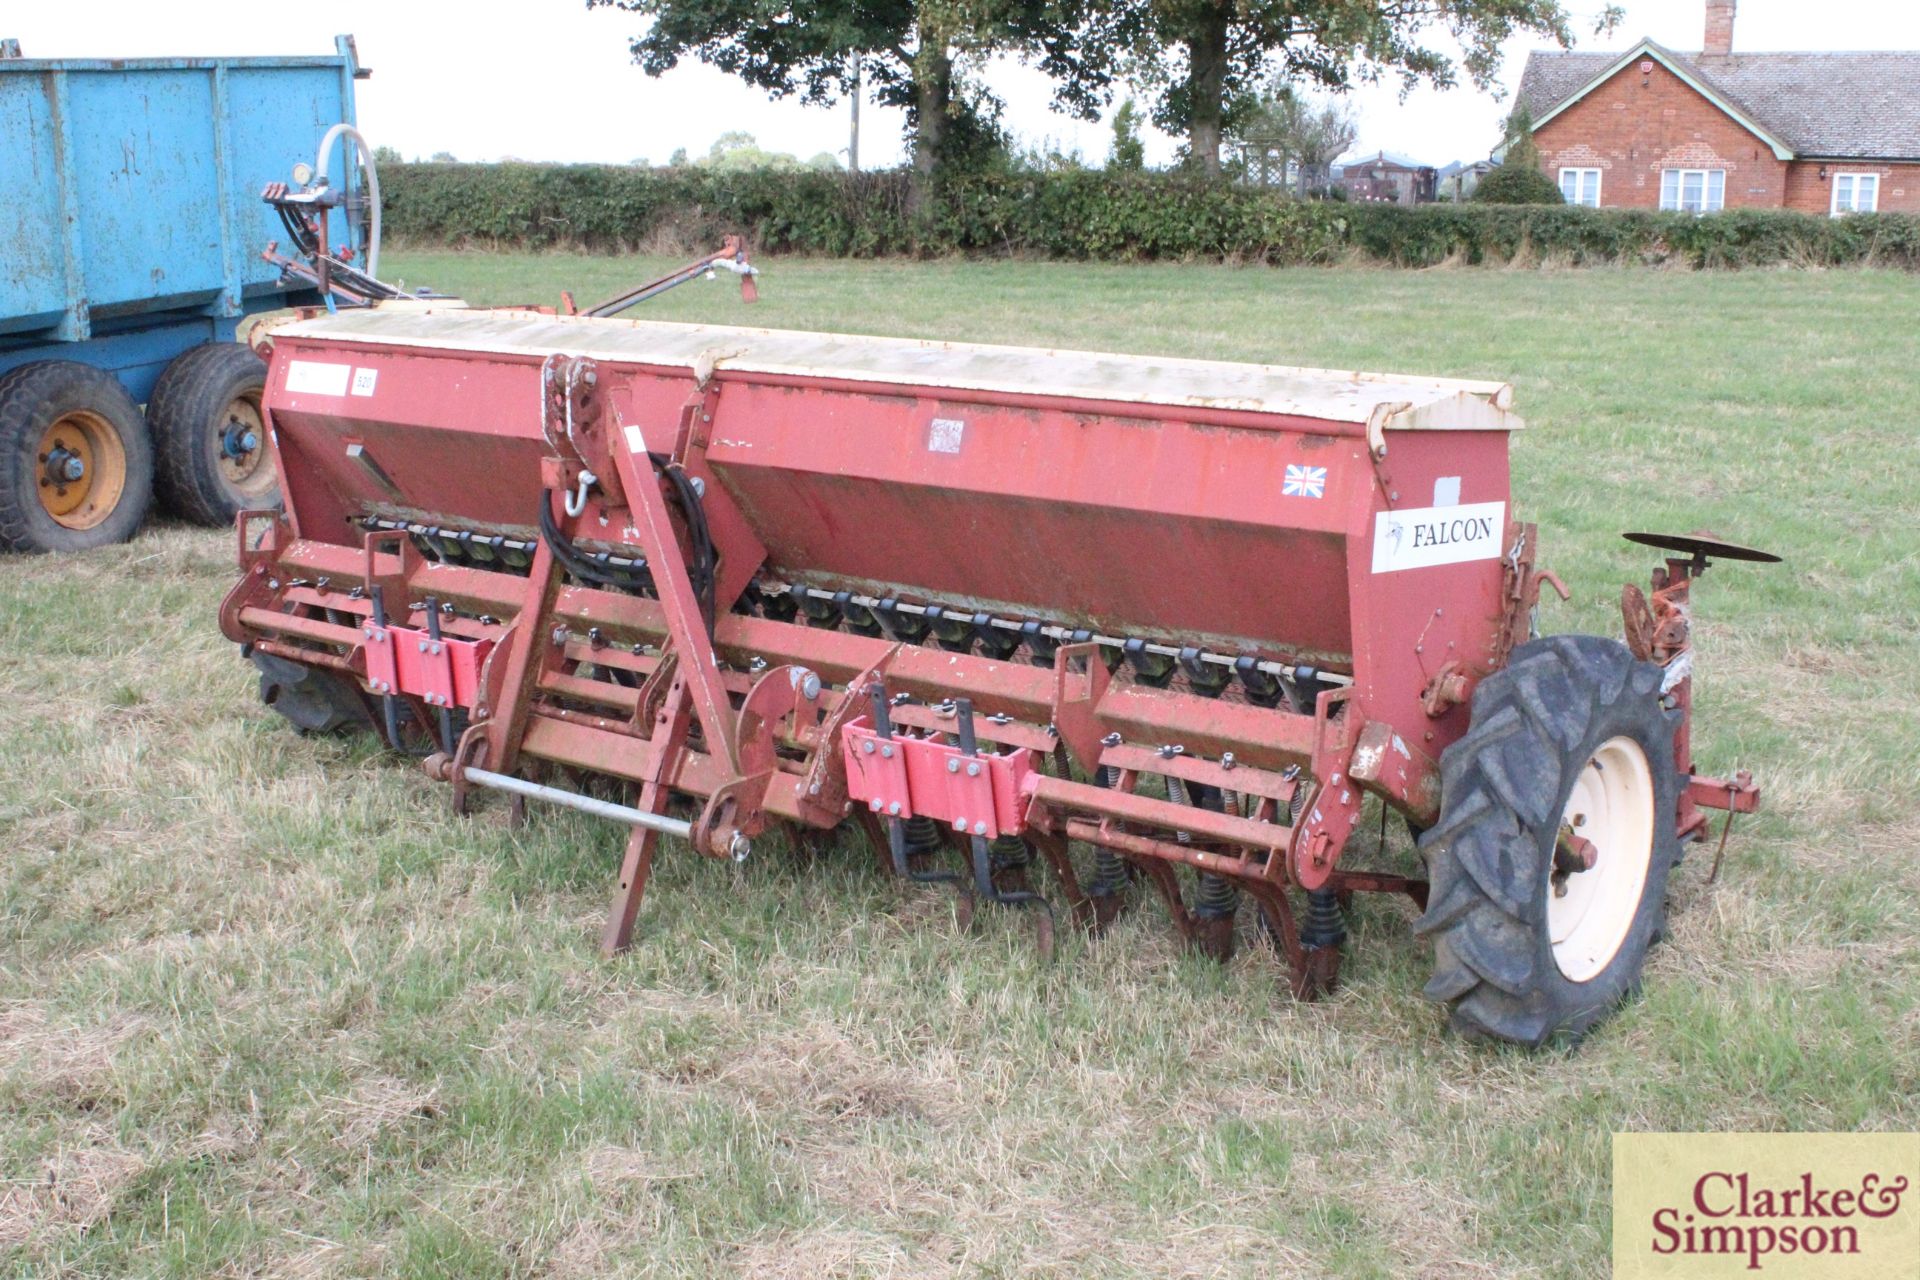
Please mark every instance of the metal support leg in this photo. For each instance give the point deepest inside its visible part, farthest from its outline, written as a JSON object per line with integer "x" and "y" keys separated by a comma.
{"x": 670, "y": 733}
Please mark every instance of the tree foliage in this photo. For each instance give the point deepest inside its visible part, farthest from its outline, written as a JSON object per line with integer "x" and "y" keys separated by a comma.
{"x": 1129, "y": 153}
{"x": 1204, "y": 61}
{"x": 922, "y": 57}
{"x": 1519, "y": 179}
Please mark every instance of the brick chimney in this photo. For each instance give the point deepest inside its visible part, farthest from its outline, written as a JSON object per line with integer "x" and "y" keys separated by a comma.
{"x": 1719, "y": 41}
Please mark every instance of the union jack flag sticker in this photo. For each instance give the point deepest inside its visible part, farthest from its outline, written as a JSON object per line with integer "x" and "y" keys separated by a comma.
{"x": 1304, "y": 482}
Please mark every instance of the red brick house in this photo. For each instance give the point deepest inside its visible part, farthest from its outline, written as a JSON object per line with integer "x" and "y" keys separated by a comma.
{"x": 1654, "y": 129}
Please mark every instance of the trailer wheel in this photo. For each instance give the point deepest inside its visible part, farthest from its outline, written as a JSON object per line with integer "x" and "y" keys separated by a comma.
{"x": 1549, "y": 862}
{"x": 76, "y": 464}
{"x": 211, "y": 434}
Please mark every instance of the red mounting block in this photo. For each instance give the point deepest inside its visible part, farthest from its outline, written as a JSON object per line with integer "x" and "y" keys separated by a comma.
{"x": 906, "y": 777}
{"x": 443, "y": 672}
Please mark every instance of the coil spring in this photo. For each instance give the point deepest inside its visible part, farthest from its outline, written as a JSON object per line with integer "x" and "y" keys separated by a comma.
{"x": 1217, "y": 896}
{"x": 922, "y": 836}
{"x": 1178, "y": 793}
{"x": 1324, "y": 926}
{"x": 1109, "y": 868}
{"x": 1009, "y": 853}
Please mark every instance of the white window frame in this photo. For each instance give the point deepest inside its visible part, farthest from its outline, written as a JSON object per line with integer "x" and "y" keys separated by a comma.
{"x": 1855, "y": 177}
{"x": 1680, "y": 177}
{"x": 1579, "y": 172}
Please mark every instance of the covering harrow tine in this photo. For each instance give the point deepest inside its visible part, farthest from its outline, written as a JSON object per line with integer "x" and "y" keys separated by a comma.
{"x": 897, "y": 825}
{"x": 983, "y": 854}
{"x": 447, "y": 742}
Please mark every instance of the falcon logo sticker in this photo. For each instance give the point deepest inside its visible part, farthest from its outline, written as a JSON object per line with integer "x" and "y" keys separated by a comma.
{"x": 1420, "y": 537}
{"x": 1304, "y": 482}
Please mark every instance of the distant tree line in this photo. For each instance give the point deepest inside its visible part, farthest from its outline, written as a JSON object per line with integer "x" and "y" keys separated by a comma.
{"x": 1205, "y": 68}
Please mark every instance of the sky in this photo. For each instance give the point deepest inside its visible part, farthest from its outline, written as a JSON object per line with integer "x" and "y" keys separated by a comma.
{"x": 551, "y": 80}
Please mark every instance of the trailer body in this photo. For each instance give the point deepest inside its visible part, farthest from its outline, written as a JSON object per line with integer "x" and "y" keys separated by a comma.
{"x": 131, "y": 226}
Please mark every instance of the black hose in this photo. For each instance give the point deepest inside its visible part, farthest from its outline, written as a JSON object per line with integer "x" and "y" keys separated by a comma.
{"x": 701, "y": 571}
{"x": 578, "y": 565}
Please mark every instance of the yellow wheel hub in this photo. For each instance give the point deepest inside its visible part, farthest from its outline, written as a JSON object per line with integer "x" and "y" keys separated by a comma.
{"x": 82, "y": 469}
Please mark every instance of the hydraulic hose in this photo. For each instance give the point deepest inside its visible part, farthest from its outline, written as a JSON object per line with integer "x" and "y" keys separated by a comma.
{"x": 373, "y": 185}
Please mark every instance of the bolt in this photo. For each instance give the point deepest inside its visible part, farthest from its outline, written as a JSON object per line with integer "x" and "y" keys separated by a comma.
{"x": 1111, "y": 740}
{"x": 876, "y": 806}
{"x": 422, "y": 646}
{"x": 810, "y": 687}
{"x": 755, "y": 664}
{"x": 886, "y": 752}
{"x": 979, "y": 828}
{"x": 953, "y": 766}
{"x": 739, "y": 847}
{"x": 1226, "y": 761}
{"x": 894, "y": 808}
{"x": 367, "y": 632}
{"x": 813, "y": 789}
{"x": 866, "y": 748}
{"x": 973, "y": 771}
{"x": 436, "y": 650}
{"x": 959, "y": 824}
{"x": 559, "y": 635}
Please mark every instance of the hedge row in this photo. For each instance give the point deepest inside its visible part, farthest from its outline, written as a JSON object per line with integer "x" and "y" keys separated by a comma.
{"x": 1084, "y": 215}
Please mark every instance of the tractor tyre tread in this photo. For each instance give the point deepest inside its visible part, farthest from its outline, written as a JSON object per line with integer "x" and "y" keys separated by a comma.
{"x": 1504, "y": 786}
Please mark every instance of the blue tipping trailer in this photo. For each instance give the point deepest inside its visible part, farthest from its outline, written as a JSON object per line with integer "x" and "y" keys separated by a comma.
{"x": 131, "y": 232}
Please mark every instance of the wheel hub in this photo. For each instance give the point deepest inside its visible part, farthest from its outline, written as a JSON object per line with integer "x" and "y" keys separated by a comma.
{"x": 82, "y": 469}
{"x": 1601, "y": 859}
{"x": 65, "y": 468}
{"x": 240, "y": 449}
{"x": 238, "y": 440}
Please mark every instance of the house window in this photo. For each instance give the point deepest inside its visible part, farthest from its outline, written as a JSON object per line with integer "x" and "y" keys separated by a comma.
{"x": 1581, "y": 186}
{"x": 1693, "y": 190}
{"x": 1856, "y": 192}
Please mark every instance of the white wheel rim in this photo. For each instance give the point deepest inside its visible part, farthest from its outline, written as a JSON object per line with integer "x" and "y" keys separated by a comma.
{"x": 1611, "y": 807}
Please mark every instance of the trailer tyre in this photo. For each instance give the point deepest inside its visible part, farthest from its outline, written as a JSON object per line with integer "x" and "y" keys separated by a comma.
{"x": 1569, "y": 758}
{"x": 76, "y": 463}
{"x": 214, "y": 459}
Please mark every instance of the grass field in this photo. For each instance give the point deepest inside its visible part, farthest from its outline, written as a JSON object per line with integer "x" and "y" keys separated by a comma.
{"x": 267, "y": 1009}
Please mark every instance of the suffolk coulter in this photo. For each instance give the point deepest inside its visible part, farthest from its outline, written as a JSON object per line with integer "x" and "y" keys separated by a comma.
{"x": 1058, "y": 629}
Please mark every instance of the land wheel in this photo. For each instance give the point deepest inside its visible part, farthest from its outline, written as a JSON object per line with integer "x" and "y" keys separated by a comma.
{"x": 212, "y": 436}
{"x": 1549, "y": 862}
{"x": 76, "y": 464}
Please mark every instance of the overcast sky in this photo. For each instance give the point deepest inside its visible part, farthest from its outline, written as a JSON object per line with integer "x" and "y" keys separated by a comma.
{"x": 549, "y": 80}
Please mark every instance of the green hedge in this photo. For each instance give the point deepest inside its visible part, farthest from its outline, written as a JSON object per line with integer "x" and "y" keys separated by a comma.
{"x": 1084, "y": 215}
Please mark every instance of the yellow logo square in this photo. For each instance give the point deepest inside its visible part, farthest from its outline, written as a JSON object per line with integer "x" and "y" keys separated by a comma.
{"x": 1785, "y": 1206}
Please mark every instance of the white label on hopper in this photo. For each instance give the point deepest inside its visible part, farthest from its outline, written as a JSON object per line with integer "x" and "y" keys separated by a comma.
{"x": 1420, "y": 537}
{"x": 636, "y": 443}
{"x": 943, "y": 435}
{"x": 364, "y": 380}
{"x": 311, "y": 377}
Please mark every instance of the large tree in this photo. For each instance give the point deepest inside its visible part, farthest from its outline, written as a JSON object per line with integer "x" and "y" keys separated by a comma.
{"x": 1205, "y": 60}
{"x": 915, "y": 56}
